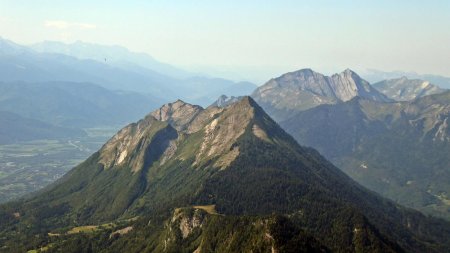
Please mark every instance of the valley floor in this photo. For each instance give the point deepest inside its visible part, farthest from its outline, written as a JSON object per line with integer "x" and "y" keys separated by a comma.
{"x": 29, "y": 166}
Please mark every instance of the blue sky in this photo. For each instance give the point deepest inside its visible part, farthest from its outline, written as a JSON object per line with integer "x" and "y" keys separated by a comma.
{"x": 249, "y": 36}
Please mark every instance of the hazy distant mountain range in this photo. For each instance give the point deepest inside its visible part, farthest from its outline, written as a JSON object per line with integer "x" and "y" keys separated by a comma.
{"x": 124, "y": 71}
{"x": 112, "y": 55}
{"x": 404, "y": 89}
{"x": 14, "y": 128}
{"x": 374, "y": 76}
{"x": 73, "y": 104}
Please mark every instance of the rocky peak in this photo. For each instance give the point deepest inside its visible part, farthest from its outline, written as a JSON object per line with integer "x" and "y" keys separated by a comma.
{"x": 224, "y": 101}
{"x": 343, "y": 86}
{"x": 347, "y": 85}
{"x": 404, "y": 89}
{"x": 163, "y": 130}
{"x": 178, "y": 113}
{"x": 305, "y": 89}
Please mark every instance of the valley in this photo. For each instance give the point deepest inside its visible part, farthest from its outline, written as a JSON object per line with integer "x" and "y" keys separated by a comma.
{"x": 29, "y": 166}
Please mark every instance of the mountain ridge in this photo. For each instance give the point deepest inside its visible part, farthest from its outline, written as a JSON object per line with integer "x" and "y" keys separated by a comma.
{"x": 397, "y": 149}
{"x": 235, "y": 158}
{"x": 404, "y": 89}
{"x": 115, "y": 55}
{"x": 305, "y": 89}
{"x": 20, "y": 63}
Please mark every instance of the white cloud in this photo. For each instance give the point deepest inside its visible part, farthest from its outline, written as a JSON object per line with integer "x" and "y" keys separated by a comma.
{"x": 64, "y": 25}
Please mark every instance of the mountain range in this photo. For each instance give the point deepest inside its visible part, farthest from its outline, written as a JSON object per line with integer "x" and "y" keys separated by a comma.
{"x": 220, "y": 179}
{"x": 374, "y": 76}
{"x": 404, "y": 89}
{"x": 59, "y": 94}
{"x": 112, "y": 55}
{"x": 305, "y": 89}
{"x": 14, "y": 128}
{"x": 397, "y": 149}
{"x": 72, "y": 104}
{"x": 125, "y": 71}
{"x": 225, "y": 178}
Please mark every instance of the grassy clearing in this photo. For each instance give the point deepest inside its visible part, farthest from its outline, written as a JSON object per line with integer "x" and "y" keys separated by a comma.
{"x": 89, "y": 228}
{"x": 82, "y": 229}
{"x": 211, "y": 209}
{"x": 43, "y": 249}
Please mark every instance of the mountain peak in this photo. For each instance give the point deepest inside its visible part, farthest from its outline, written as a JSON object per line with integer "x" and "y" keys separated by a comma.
{"x": 247, "y": 101}
{"x": 224, "y": 101}
{"x": 349, "y": 75}
{"x": 348, "y": 71}
{"x": 305, "y": 89}
{"x": 405, "y": 89}
{"x": 306, "y": 72}
{"x": 178, "y": 113}
{"x": 10, "y": 48}
{"x": 247, "y": 105}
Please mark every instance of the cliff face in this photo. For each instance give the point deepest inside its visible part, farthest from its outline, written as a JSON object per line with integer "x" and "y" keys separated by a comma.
{"x": 305, "y": 89}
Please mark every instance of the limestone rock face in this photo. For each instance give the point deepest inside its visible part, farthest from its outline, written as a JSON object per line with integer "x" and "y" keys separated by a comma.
{"x": 158, "y": 136}
{"x": 305, "y": 89}
{"x": 178, "y": 114}
{"x": 130, "y": 145}
{"x": 347, "y": 85}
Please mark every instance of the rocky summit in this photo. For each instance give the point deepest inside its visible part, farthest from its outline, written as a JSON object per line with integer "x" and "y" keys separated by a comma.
{"x": 305, "y": 89}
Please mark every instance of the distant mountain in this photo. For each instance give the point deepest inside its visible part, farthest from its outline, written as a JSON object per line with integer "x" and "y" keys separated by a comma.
{"x": 20, "y": 63}
{"x": 404, "y": 89}
{"x": 188, "y": 179}
{"x": 9, "y": 48}
{"x": 374, "y": 76}
{"x": 204, "y": 90}
{"x": 305, "y": 89}
{"x": 73, "y": 104}
{"x": 400, "y": 150}
{"x": 111, "y": 55}
{"x": 14, "y": 128}
{"x": 25, "y": 64}
{"x": 224, "y": 101}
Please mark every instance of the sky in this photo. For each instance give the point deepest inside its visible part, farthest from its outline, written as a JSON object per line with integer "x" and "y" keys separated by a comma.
{"x": 248, "y": 38}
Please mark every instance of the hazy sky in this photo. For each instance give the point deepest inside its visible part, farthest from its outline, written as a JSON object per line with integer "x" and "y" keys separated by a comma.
{"x": 249, "y": 36}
